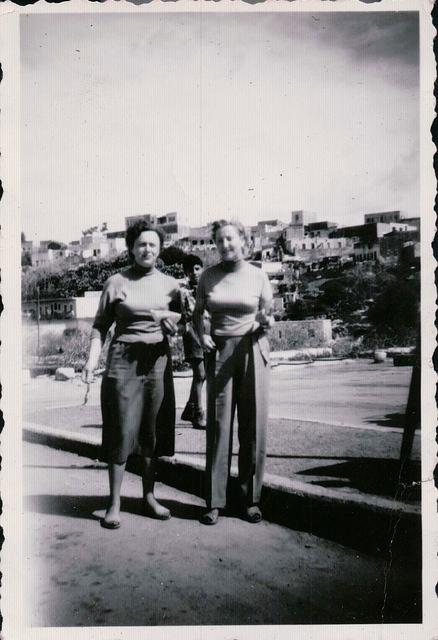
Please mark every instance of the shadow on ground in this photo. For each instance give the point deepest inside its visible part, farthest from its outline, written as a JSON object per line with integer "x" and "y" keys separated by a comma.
{"x": 394, "y": 420}
{"x": 85, "y": 506}
{"x": 372, "y": 476}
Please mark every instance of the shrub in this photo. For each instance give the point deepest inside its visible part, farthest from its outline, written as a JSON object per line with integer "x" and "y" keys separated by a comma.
{"x": 285, "y": 336}
{"x": 376, "y": 339}
{"x": 178, "y": 359}
{"x": 67, "y": 350}
{"x": 346, "y": 347}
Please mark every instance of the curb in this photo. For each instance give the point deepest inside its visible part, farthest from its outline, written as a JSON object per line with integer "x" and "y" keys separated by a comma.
{"x": 368, "y": 523}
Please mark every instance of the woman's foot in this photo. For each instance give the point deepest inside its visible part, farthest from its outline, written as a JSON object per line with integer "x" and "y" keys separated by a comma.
{"x": 253, "y": 514}
{"x": 112, "y": 517}
{"x": 210, "y": 517}
{"x": 154, "y": 509}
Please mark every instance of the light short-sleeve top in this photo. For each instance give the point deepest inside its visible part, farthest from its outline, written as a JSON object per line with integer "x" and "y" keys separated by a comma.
{"x": 233, "y": 294}
{"x": 127, "y": 300}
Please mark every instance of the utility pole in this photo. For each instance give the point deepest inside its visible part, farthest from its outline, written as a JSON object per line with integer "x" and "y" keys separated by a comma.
{"x": 38, "y": 322}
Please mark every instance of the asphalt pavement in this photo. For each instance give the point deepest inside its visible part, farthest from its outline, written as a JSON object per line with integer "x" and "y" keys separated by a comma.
{"x": 357, "y": 454}
{"x": 180, "y": 572}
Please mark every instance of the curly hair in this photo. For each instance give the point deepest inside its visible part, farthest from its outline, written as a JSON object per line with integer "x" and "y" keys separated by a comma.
{"x": 190, "y": 261}
{"x": 135, "y": 230}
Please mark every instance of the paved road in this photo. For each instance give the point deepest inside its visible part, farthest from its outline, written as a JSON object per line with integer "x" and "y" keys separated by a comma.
{"x": 182, "y": 573}
{"x": 301, "y": 438}
{"x": 350, "y": 393}
{"x": 353, "y": 392}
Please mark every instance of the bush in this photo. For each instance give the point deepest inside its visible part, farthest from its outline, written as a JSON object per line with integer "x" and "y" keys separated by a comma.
{"x": 69, "y": 350}
{"x": 395, "y": 308}
{"x": 346, "y": 347}
{"x": 284, "y": 336}
{"x": 178, "y": 359}
{"x": 375, "y": 339}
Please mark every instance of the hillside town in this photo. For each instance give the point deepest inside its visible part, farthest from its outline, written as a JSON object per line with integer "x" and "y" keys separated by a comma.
{"x": 284, "y": 250}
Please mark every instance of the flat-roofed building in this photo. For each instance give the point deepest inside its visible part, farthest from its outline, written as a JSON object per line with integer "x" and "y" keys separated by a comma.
{"x": 168, "y": 222}
{"x": 320, "y": 229}
{"x": 382, "y": 216}
{"x": 116, "y": 242}
{"x": 298, "y": 219}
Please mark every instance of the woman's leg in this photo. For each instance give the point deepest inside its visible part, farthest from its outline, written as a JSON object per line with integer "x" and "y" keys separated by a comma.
{"x": 157, "y": 398}
{"x": 120, "y": 413}
{"x": 112, "y": 515}
{"x": 220, "y": 414}
{"x": 187, "y": 414}
{"x": 198, "y": 369}
{"x": 252, "y": 411}
{"x": 152, "y": 507}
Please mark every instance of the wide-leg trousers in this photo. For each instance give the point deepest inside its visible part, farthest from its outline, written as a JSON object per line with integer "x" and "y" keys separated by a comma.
{"x": 237, "y": 376}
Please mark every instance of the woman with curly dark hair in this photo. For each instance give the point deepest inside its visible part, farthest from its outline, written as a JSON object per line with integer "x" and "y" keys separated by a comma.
{"x": 137, "y": 396}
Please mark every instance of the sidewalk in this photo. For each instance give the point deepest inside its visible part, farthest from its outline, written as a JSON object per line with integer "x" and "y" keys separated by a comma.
{"x": 182, "y": 573}
{"x": 352, "y": 470}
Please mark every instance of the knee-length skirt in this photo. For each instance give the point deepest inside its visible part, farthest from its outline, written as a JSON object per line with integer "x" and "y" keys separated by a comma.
{"x": 138, "y": 401}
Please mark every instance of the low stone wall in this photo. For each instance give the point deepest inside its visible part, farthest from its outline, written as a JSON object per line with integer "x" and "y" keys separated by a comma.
{"x": 296, "y": 334}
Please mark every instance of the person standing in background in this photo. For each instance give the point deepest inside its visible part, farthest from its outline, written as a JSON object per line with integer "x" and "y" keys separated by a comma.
{"x": 193, "y": 352}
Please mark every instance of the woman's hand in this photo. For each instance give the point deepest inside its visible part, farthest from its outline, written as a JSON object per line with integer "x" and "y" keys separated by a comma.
{"x": 169, "y": 327}
{"x": 265, "y": 321}
{"x": 207, "y": 343}
{"x": 87, "y": 375}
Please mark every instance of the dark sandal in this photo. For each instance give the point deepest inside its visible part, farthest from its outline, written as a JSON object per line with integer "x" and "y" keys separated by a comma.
{"x": 188, "y": 412}
{"x": 110, "y": 524}
{"x": 253, "y": 514}
{"x": 210, "y": 517}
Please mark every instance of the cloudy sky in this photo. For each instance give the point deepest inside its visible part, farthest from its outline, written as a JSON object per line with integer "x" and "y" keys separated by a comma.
{"x": 251, "y": 115}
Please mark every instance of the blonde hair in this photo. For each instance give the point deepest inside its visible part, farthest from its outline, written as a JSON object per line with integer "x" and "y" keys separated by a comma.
{"x": 218, "y": 224}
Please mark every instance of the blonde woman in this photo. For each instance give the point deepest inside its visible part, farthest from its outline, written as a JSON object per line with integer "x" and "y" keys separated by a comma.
{"x": 238, "y": 297}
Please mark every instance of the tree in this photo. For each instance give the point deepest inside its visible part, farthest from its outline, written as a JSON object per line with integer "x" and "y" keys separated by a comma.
{"x": 172, "y": 255}
{"x": 26, "y": 260}
{"x": 396, "y": 307}
{"x": 55, "y": 245}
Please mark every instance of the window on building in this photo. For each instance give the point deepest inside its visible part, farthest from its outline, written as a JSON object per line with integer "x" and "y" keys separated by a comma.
{"x": 304, "y": 246}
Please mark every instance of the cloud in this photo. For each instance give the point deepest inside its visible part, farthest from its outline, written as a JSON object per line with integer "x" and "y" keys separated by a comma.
{"x": 126, "y": 114}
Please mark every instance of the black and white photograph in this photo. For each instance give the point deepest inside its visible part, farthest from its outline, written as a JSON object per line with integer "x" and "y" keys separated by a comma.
{"x": 218, "y": 320}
